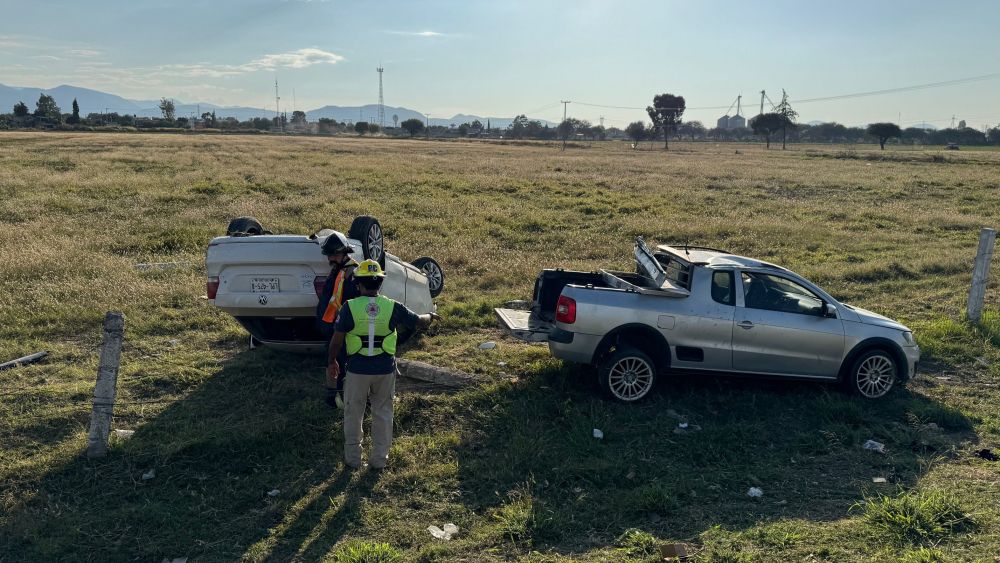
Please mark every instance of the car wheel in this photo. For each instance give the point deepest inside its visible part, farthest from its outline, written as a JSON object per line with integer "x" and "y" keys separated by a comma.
{"x": 628, "y": 375}
{"x": 873, "y": 374}
{"x": 368, "y": 230}
{"x": 434, "y": 273}
{"x": 245, "y": 226}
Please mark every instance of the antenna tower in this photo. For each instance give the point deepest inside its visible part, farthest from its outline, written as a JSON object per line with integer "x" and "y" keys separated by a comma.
{"x": 277, "y": 107}
{"x": 381, "y": 101}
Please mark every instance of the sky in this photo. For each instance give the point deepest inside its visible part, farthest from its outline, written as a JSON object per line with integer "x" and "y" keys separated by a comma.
{"x": 504, "y": 58}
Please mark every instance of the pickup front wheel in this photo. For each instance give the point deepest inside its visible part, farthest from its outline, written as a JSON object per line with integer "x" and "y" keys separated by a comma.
{"x": 627, "y": 375}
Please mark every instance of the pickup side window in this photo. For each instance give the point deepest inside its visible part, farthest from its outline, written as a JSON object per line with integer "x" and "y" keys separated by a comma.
{"x": 723, "y": 288}
{"x": 775, "y": 293}
{"x": 677, "y": 272}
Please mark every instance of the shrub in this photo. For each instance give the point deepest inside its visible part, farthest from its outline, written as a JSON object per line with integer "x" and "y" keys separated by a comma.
{"x": 915, "y": 517}
{"x": 367, "y": 552}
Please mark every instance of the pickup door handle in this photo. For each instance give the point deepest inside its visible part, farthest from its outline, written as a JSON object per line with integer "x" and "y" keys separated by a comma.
{"x": 745, "y": 324}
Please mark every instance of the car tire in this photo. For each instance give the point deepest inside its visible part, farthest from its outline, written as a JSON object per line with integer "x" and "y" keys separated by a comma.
{"x": 873, "y": 374}
{"x": 245, "y": 227}
{"x": 434, "y": 273}
{"x": 627, "y": 375}
{"x": 368, "y": 230}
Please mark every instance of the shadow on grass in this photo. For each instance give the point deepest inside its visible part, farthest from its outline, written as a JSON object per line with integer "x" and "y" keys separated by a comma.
{"x": 523, "y": 459}
{"x": 530, "y": 458}
{"x": 256, "y": 426}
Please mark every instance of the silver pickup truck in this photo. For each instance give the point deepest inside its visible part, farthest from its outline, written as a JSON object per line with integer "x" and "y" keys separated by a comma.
{"x": 706, "y": 310}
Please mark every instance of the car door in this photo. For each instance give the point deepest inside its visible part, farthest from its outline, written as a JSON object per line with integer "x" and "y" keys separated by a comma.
{"x": 705, "y": 340}
{"x": 780, "y": 329}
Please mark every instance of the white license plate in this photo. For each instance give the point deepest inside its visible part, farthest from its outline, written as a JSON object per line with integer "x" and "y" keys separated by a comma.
{"x": 264, "y": 285}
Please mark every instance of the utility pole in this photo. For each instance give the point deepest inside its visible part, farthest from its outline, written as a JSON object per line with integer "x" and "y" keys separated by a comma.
{"x": 762, "y": 94}
{"x": 738, "y": 98}
{"x": 602, "y": 121}
{"x": 427, "y": 129}
{"x": 565, "y": 105}
{"x": 952, "y": 121}
{"x": 381, "y": 102}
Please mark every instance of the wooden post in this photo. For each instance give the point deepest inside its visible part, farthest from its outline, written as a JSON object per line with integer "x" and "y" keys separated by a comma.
{"x": 106, "y": 387}
{"x": 981, "y": 274}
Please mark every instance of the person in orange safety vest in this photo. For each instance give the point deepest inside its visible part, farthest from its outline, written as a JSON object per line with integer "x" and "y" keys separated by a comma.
{"x": 338, "y": 290}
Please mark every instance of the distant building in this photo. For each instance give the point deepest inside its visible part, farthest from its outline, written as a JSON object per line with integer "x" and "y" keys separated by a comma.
{"x": 722, "y": 122}
{"x": 731, "y": 122}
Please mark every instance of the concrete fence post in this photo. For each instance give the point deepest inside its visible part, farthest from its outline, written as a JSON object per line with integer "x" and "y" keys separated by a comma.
{"x": 107, "y": 383}
{"x": 981, "y": 274}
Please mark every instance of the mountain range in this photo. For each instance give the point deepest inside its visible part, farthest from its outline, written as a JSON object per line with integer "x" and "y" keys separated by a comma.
{"x": 95, "y": 101}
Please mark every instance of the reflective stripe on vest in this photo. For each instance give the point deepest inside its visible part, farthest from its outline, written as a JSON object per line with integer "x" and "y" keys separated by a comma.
{"x": 333, "y": 307}
{"x": 371, "y": 335}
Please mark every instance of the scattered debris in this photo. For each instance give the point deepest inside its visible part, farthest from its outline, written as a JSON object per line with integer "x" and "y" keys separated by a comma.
{"x": 23, "y": 361}
{"x": 682, "y": 425}
{"x": 684, "y": 428}
{"x": 874, "y": 446}
{"x": 487, "y": 345}
{"x": 598, "y": 434}
{"x": 879, "y": 480}
{"x": 445, "y": 534}
{"x": 678, "y": 551}
{"x": 501, "y": 364}
{"x": 631, "y": 474}
{"x": 161, "y": 266}
{"x": 149, "y": 475}
{"x": 755, "y": 492}
{"x": 124, "y": 434}
{"x": 173, "y": 342}
{"x": 988, "y": 455}
{"x": 273, "y": 493}
{"x": 781, "y": 502}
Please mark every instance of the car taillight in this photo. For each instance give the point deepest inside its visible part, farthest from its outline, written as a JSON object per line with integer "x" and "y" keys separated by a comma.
{"x": 212, "y": 287}
{"x": 566, "y": 310}
{"x": 319, "y": 282}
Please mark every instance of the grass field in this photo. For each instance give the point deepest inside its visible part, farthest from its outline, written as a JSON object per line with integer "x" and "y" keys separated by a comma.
{"x": 511, "y": 460}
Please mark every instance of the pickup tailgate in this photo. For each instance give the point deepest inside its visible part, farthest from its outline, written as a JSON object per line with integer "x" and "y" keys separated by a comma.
{"x": 524, "y": 325}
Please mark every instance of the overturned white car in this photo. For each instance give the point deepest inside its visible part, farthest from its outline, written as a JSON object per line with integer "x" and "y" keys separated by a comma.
{"x": 271, "y": 283}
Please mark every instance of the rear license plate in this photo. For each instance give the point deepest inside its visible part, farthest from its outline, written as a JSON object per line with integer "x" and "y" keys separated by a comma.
{"x": 264, "y": 285}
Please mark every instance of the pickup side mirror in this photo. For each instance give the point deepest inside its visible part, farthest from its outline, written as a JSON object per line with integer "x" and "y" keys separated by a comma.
{"x": 828, "y": 310}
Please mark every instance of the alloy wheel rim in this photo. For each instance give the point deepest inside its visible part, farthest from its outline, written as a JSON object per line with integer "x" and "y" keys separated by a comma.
{"x": 630, "y": 379}
{"x": 375, "y": 242}
{"x": 433, "y": 274}
{"x": 876, "y": 376}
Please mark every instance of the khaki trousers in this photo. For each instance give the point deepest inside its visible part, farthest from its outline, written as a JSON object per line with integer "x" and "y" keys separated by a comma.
{"x": 359, "y": 389}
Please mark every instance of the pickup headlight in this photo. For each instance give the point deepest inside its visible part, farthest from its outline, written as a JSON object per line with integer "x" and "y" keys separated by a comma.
{"x": 908, "y": 337}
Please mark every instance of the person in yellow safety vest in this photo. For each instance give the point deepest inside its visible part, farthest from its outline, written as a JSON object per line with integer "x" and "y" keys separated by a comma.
{"x": 366, "y": 328}
{"x": 338, "y": 289}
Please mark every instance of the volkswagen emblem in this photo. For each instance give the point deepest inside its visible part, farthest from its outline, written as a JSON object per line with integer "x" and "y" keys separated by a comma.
{"x": 262, "y": 299}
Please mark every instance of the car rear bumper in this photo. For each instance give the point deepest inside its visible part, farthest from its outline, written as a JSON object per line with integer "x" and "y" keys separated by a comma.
{"x": 573, "y": 346}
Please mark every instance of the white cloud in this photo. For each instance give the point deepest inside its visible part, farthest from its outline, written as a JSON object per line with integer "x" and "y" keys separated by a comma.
{"x": 427, "y": 33}
{"x": 46, "y": 57}
{"x": 301, "y": 58}
{"x": 84, "y": 52}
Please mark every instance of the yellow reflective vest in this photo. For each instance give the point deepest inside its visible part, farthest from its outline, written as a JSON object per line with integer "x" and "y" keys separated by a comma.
{"x": 371, "y": 335}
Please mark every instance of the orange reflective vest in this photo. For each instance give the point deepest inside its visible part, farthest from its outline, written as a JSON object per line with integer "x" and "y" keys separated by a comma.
{"x": 336, "y": 298}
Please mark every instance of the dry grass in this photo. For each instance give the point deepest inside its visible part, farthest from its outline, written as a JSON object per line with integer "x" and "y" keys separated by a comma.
{"x": 891, "y": 231}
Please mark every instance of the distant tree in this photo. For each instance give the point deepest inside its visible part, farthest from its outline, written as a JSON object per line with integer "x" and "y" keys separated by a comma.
{"x": 666, "y": 113}
{"x": 46, "y": 108}
{"x": 395, "y": 120}
{"x": 412, "y": 126}
{"x": 517, "y": 127}
{"x": 299, "y": 117}
{"x": 373, "y": 129}
{"x": 566, "y": 130}
{"x": 476, "y": 124}
{"x": 463, "y": 129}
{"x": 167, "y": 109}
{"x": 20, "y": 109}
{"x": 785, "y": 110}
{"x": 914, "y": 135}
{"x": 74, "y": 118}
{"x": 361, "y": 127}
{"x": 692, "y": 129}
{"x": 768, "y": 124}
{"x": 182, "y": 121}
{"x": 993, "y": 135}
{"x": 600, "y": 133}
{"x": 961, "y": 124}
{"x": 883, "y": 131}
{"x": 636, "y": 131}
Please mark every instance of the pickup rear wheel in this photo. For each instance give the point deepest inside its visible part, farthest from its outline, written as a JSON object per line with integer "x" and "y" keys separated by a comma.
{"x": 368, "y": 230}
{"x": 627, "y": 375}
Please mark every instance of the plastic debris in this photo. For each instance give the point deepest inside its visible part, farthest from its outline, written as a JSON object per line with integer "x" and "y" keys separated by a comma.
{"x": 273, "y": 493}
{"x": 988, "y": 455}
{"x": 501, "y": 364}
{"x": 682, "y": 425}
{"x": 149, "y": 475}
{"x": 443, "y": 534}
{"x": 487, "y": 345}
{"x": 755, "y": 492}
{"x": 598, "y": 434}
{"x": 874, "y": 446}
{"x": 878, "y": 480}
{"x": 173, "y": 342}
{"x": 124, "y": 434}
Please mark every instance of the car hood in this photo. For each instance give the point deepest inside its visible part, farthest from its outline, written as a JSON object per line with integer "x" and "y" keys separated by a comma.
{"x": 869, "y": 318}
